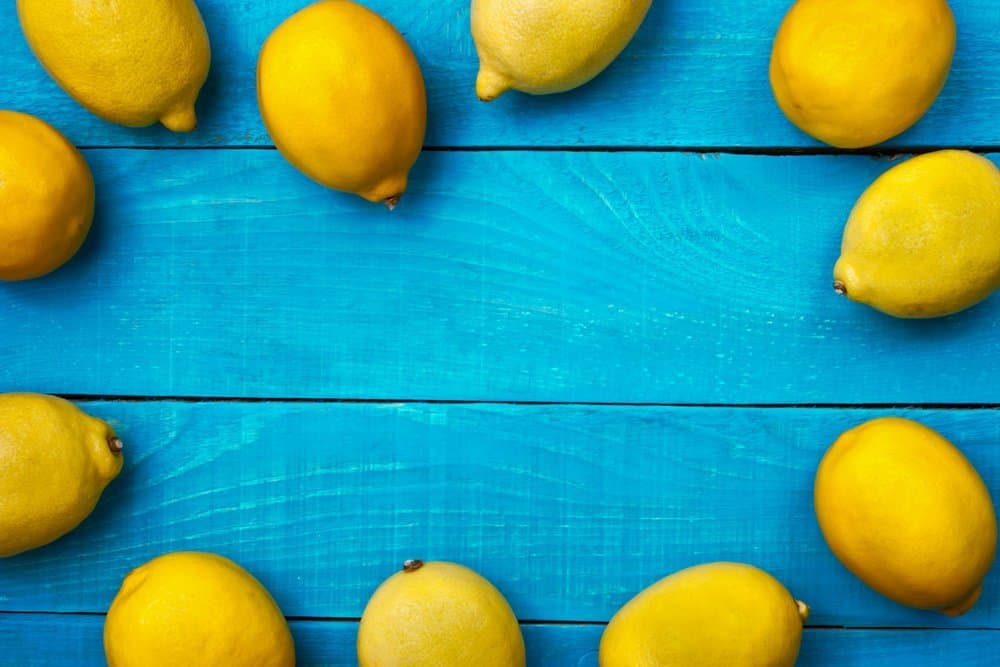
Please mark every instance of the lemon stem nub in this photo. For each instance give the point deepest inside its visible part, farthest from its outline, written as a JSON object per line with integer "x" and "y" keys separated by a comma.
{"x": 115, "y": 445}
{"x": 412, "y": 565}
{"x": 965, "y": 605}
{"x": 392, "y": 202}
{"x": 180, "y": 119}
{"x": 839, "y": 287}
{"x": 803, "y": 610}
{"x": 490, "y": 85}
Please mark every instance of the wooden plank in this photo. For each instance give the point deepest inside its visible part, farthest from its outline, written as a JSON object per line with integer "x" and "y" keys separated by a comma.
{"x": 570, "y": 510}
{"x": 696, "y": 75}
{"x": 611, "y": 277}
{"x": 55, "y": 641}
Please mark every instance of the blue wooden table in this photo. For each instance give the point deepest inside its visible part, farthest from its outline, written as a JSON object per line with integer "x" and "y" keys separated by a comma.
{"x": 595, "y": 344}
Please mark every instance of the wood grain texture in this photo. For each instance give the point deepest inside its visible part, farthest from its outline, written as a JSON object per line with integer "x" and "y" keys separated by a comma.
{"x": 606, "y": 277}
{"x": 27, "y": 643}
{"x": 569, "y": 510}
{"x": 695, "y": 75}
{"x": 582, "y": 277}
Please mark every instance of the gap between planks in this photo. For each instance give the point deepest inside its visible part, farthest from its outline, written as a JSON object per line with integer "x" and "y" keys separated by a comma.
{"x": 772, "y": 151}
{"x": 90, "y": 398}
{"x": 535, "y": 622}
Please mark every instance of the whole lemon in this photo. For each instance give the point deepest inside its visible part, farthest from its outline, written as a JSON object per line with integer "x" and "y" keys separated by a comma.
{"x": 194, "y": 608}
{"x": 907, "y": 513}
{"x": 711, "y": 615}
{"x": 438, "y": 615}
{"x": 132, "y": 63}
{"x": 924, "y": 239}
{"x": 46, "y": 197}
{"x": 854, "y": 73}
{"x": 55, "y": 461}
{"x": 549, "y": 46}
{"x": 343, "y": 98}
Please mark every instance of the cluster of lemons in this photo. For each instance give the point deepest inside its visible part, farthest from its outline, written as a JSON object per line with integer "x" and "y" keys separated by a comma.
{"x": 343, "y": 98}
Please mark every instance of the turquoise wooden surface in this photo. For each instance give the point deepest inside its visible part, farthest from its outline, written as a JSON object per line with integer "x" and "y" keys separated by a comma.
{"x": 377, "y": 368}
{"x": 608, "y": 277}
{"x": 329, "y": 644}
{"x": 569, "y": 510}
{"x": 696, "y": 75}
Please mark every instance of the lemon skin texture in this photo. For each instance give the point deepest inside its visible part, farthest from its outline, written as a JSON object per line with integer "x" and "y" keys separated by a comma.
{"x": 343, "y": 98}
{"x": 855, "y": 73}
{"x": 194, "y": 608}
{"x": 46, "y": 197}
{"x": 906, "y": 512}
{"x": 436, "y": 615}
{"x": 549, "y": 46}
{"x": 924, "y": 239}
{"x": 55, "y": 462}
{"x": 133, "y": 63}
{"x": 711, "y": 615}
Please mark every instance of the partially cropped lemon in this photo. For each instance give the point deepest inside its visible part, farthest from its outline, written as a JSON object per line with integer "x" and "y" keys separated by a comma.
{"x": 855, "y": 73}
{"x": 343, "y": 99}
{"x": 55, "y": 461}
{"x": 46, "y": 197}
{"x": 132, "y": 63}
{"x": 438, "y": 615}
{"x": 907, "y": 513}
{"x": 924, "y": 239}
{"x": 194, "y": 608}
{"x": 711, "y": 615}
{"x": 549, "y": 46}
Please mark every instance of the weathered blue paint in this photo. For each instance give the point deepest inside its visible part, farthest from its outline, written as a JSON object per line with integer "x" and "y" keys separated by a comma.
{"x": 569, "y": 510}
{"x": 564, "y": 276}
{"x": 695, "y": 75}
{"x": 609, "y": 277}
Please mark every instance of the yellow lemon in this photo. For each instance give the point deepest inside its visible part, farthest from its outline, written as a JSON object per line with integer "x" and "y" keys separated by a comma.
{"x": 55, "y": 461}
{"x": 438, "y": 615}
{"x": 855, "y": 73}
{"x": 712, "y": 615}
{"x": 343, "y": 99}
{"x": 907, "y": 513}
{"x": 46, "y": 197}
{"x": 132, "y": 63}
{"x": 549, "y": 46}
{"x": 193, "y": 608}
{"x": 924, "y": 238}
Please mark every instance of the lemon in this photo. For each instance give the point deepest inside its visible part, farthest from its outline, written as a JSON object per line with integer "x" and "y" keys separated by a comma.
{"x": 907, "y": 513}
{"x": 132, "y": 63}
{"x": 549, "y": 46}
{"x": 46, "y": 197}
{"x": 343, "y": 99}
{"x": 855, "y": 73}
{"x": 712, "y": 615}
{"x": 924, "y": 238}
{"x": 438, "y": 615}
{"x": 193, "y": 608}
{"x": 54, "y": 463}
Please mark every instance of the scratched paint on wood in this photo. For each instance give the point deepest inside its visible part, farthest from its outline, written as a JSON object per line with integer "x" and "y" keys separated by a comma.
{"x": 632, "y": 277}
{"x": 569, "y": 510}
{"x": 695, "y": 75}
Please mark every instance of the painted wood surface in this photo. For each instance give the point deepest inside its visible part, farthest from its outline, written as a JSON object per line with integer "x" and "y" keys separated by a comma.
{"x": 574, "y": 275}
{"x": 27, "y": 643}
{"x": 695, "y": 75}
{"x": 569, "y": 510}
{"x": 604, "y": 277}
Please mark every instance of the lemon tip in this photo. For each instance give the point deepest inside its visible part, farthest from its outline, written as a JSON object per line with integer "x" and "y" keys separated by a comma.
{"x": 490, "y": 85}
{"x": 180, "y": 119}
{"x": 965, "y": 605}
